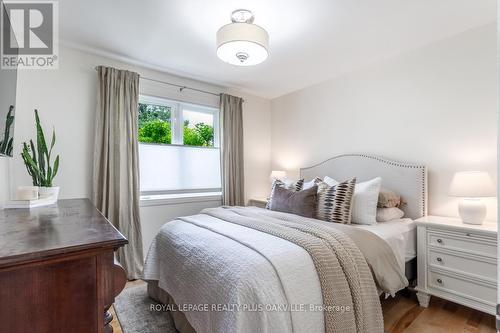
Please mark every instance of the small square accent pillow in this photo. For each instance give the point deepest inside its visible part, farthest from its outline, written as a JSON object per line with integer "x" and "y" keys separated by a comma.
{"x": 301, "y": 203}
{"x": 389, "y": 214}
{"x": 286, "y": 184}
{"x": 388, "y": 199}
{"x": 334, "y": 202}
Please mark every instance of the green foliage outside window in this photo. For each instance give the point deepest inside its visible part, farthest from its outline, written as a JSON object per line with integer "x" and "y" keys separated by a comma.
{"x": 155, "y": 127}
{"x": 150, "y": 112}
{"x": 155, "y": 131}
{"x": 200, "y": 135}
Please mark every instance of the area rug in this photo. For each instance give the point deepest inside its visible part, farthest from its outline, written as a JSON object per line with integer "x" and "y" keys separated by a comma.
{"x": 133, "y": 309}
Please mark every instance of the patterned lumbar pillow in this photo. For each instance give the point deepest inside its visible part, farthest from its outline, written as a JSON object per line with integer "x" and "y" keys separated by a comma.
{"x": 286, "y": 184}
{"x": 334, "y": 202}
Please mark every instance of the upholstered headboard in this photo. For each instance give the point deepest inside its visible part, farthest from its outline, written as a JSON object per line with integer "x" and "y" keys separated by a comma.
{"x": 408, "y": 180}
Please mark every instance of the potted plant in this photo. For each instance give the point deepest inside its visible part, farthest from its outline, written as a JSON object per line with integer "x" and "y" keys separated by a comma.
{"x": 38, "y": 162}
{"x": 8, "y": 139}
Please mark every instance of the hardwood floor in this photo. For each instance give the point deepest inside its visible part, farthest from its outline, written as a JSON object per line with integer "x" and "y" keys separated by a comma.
{"x": 402, "y": 314}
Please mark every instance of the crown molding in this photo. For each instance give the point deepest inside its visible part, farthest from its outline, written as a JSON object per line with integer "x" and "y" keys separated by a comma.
{"x": 146, "y": 65}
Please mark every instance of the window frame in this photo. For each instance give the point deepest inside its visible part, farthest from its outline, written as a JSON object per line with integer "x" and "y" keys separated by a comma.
{"x": 177, "y": 109}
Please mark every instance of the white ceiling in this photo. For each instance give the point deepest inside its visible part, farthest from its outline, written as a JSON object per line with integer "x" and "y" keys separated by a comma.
{"x": 310, "y": 41}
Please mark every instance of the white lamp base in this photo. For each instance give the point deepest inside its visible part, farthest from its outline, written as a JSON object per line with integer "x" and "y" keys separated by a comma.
{"x": 472, "y": 211}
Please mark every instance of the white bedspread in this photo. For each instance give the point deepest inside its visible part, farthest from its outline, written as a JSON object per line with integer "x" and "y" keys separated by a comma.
{"x": 207, "y": 248}
{"x": 401, "y": 235}
{"x": 203, "y": 261}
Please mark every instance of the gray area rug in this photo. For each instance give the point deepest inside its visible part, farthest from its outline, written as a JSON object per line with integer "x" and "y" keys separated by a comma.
{"x": 133, "y": 309}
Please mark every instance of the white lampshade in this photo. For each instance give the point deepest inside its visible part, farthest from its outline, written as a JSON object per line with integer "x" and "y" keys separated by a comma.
{"x": 242, "y": 43}
{"x": 276, "y": 174}
{"x": 472, "y": 184}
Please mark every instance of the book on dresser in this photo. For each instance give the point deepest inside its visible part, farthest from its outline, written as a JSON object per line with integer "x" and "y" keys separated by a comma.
{"x": 57, "y": 269}
{"x": 28, "y": 204}
{"x": 457, "y": 262}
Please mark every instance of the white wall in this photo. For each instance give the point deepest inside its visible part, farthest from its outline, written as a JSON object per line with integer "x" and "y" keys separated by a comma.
{"x": 4, "y": 179}
{"x": 436, "y": 106}
{"x": 66, "y": 100}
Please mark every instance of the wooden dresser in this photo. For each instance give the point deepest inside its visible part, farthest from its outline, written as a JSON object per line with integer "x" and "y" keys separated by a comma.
{"x": 57, "y": 269}
{"x": 457, "y": 262}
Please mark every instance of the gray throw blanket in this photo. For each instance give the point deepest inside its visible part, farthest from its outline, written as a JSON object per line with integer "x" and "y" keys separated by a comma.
{"x": 345, "y": 277}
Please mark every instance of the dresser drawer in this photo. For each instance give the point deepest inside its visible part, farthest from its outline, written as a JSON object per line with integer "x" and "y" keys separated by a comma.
{"x": 465, "y": 242}
{"x": 463, "y": 287}
{"x": 482, "y": 267}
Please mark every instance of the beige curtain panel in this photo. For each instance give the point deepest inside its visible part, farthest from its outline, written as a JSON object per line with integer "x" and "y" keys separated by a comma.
{"x": 116, "y": 161}
{"x": 231, "y": 115}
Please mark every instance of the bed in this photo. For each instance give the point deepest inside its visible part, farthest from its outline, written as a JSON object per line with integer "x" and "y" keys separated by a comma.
{"x": 246, "y": 269}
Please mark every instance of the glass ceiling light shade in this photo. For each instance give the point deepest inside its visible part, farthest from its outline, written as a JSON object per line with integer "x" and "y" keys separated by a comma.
{"x": 241, "y": 42}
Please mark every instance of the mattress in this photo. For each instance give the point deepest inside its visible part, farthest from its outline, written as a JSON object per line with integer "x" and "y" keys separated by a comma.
{"x": 400, "y": 234}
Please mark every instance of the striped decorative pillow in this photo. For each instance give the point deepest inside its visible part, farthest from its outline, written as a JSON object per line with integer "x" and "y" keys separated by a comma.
{"x": 334, "y": 202}
{"x": 287, "y": 184}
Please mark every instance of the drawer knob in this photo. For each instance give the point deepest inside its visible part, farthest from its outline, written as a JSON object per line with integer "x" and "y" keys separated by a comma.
{"x": 439, "y": 259}
{"x": 467, "y": 234}
{"x": 439, "y": 281}
{"x": 439, "y": 240}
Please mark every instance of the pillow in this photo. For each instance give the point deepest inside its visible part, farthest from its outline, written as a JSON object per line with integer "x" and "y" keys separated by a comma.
{"x": 389, "y": 214}
{"x": 302, "y": 203}
{"x": 388, "y": 199}
{"x": 290, "y": 184}
{"x": 334, "y": 202}
{"x": 286, "y": 184}
{"x": 311, "y": 183}
{"x": 364, "y": 201}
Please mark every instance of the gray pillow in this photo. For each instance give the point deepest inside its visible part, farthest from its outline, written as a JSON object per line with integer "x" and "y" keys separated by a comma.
{"x": 289, "y": 185}
{"x": 301, "y": 203}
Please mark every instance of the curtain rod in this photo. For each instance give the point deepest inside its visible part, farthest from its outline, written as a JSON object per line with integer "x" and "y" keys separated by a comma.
{"x": 181, "y": 87}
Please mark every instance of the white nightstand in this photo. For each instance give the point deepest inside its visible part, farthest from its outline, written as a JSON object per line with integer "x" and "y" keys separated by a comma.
{"x": 258, "y": 202}
{"x": 457, "y": 262}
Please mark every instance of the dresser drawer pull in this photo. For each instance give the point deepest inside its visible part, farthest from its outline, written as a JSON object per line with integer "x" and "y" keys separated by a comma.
{"x": 467, "y": 234}
{"x": 439, "y": 259}
{"x": 439, "y": 281}
{"x": 439, "y": 240}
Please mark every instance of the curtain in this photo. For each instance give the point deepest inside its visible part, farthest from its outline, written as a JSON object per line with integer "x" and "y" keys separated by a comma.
{"x": 115, "y": 189}
{"x": 232, "y": 150}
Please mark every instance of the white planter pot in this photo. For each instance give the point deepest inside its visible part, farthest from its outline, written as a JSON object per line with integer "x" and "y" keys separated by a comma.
{"x": 45, "y": 192}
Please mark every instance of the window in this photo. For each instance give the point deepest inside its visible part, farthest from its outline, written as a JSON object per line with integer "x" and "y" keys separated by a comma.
{"x": 178, "y": 147}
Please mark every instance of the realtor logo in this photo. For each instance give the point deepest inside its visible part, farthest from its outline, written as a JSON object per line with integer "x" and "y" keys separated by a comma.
{"x": 29, "y": 34}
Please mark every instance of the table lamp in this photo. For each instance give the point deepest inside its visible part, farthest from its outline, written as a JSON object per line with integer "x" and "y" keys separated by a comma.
{"x": 472, "y": 186}
{"x": 277, "y": 174}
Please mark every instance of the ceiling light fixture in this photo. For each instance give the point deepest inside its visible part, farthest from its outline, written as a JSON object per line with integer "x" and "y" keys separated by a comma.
{"x": 241, "y": 42}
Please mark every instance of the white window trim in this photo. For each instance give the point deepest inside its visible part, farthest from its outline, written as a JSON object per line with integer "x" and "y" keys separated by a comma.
{"x": 177, "y": 117}
{"x": 179, "y": 198}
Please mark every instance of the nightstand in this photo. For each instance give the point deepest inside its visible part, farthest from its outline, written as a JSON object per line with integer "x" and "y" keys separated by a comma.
{"x": 258, "y": 202}
{"x": 457, "y": 262}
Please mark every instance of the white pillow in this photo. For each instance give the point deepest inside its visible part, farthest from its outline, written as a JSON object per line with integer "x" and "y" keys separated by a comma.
{"x": 309, "y": 184}
{"x": 364, "y": 200}
{"x": 389, "y": 214}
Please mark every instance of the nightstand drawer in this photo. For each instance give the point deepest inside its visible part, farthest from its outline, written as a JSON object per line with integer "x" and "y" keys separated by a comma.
{"x": 463, "y": 287}
{"x": 482, "y": 267}
{"x": 465, "y": 242}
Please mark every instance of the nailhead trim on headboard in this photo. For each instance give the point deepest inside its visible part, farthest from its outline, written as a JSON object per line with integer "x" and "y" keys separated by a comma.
{"x": 393, "y": 163}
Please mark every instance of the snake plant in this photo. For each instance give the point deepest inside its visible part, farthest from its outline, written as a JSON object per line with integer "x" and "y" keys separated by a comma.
{"x": 7, "y": 143}
{"x": 38, "y": 162}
